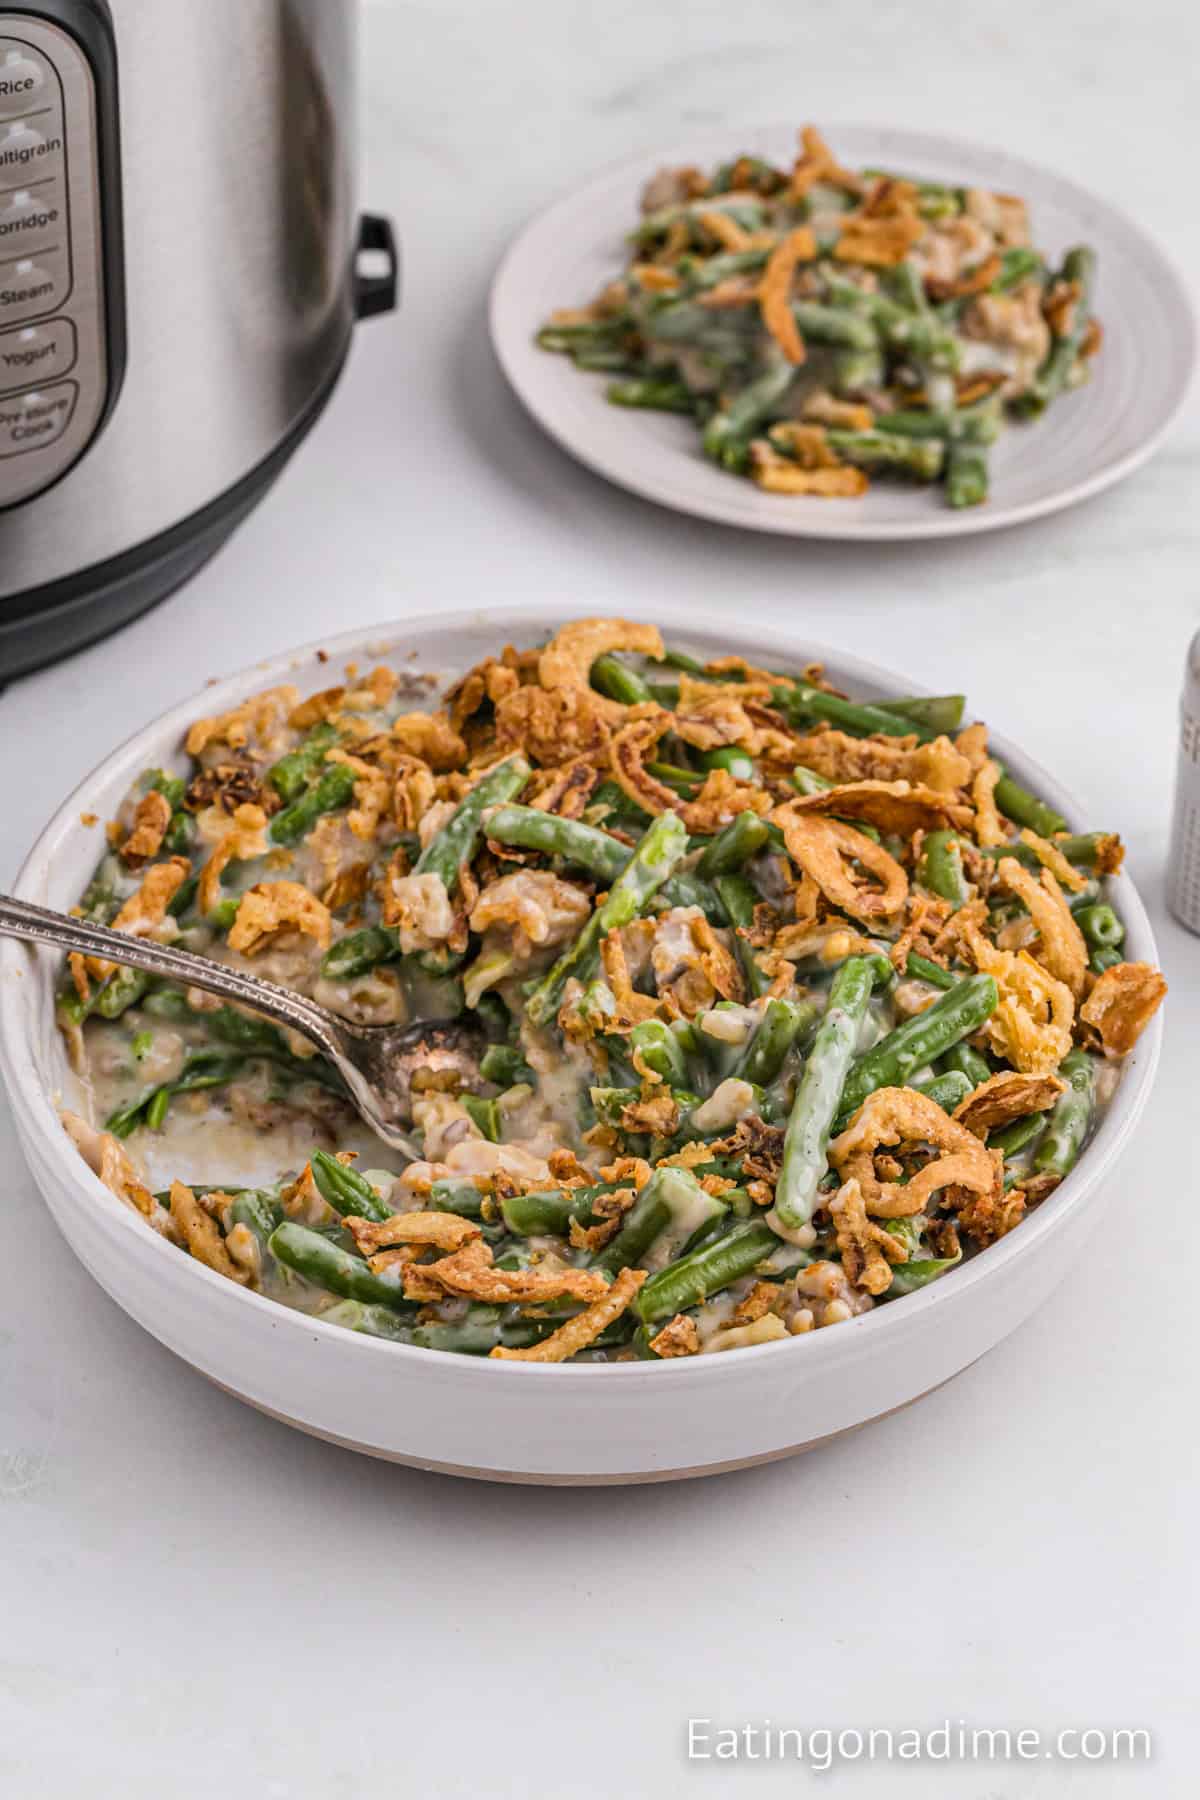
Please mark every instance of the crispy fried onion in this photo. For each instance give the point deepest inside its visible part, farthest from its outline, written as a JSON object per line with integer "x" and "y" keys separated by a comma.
{"x": 150, "y": 822}
{"x": 272, "y": 907}
{"x": 720, "y": 799}
{"x": 566, "y": 790}
{"x": 419, "y": 907}
{"x": 895, "y": 807}
{"x": 1005, "y": 1097}
{"x": 1031, "y": 1026}
{"x": 566, "y": 662}
{"x": 145, "y": 911}
{"x": 584, "y": 1328}
{"x": 431, "y": 737}
{"x": 202, "y": 1235}
{"x": 471, "y": 1274}
{"x": 436, "y": 1230}
{"x": 541, "y": 908}
{"x": 243, "y": 834}
{"x": 261, "y": 717}
{"x": 551, "y": 727}
{"x": 372, "y": 791}
{"x": 939, "y": 765}
{"x": 826, "y": 849}
{"x": 775, "y": 290}
{"x": 817, "y": 163}
{"x": 892, "y": 1116}
{"x": 831, "y": 479}
{"x": 1122, "y": 1004}
{"x": 679, "y": 1337}
{"x": 690, "y": 962}
{"x": 868, "y": 1251}
{"x": 107, "y": 1158}
{"x": 1061, "y": 949}
{"x": 990, "y": 828}
{"x": 1052, "y": 858}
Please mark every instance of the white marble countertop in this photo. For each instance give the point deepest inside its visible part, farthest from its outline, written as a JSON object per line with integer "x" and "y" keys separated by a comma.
{"x": 199, "y": 1601}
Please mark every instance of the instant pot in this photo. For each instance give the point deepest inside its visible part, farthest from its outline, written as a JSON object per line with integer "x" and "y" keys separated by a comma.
{"x": 182, "y": 262}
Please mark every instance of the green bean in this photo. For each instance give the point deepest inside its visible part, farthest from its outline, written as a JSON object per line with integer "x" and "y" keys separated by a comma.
{"x": 693, "y": 1278}
{"x": 663, "y": 846}
{"x": 328, "y": 1266}
{"x": 292, "y": 773}
{"x": 345, "y": 1190}
{"x": 940, "y": 712}
{"x": 908, "y": 1277}
{"x": 921, "y": 458}
{"x": 727, "y": 435}
{"x": 739, "y": 763}
{"x": 1104, "y": 958}
{"x": 332, "y": 790}
{"x": 259, "y": 1211}
{"x": 1085, "y": 850}
{"x": 837, "y": 327}
{"x": 732, "y": 847}
{"x": 1024, "y": 808}
{"x": 941, "y": 868}
{"x": 359, "y": 951}
{"x": 921, "y": 1040}
{"x": 167, "y": 1003}
{"x": 861, "y": 718}
{"x": 684, "y": 781}
{"x": 1016, "y": 266}
{"x": 616, "y": 679}
{"x": 529, "y": 828}
{"x": 1068, "y": 1123}
{"x": 858, "y": 371}
{"x": 1016, "y": 1136}
{"x": 739, "y": 899}
{"x": 484, "y": 1114}
{"x": 652, "y": 394}
{"x": 688, "y": 889}
{"x": 804, "y": 1150}
{"x": 203, "y": 1069}
{"x": 807, "y": 781}
{"x": 966, "y": 473}
{"x": 947, "y": 1091}
{"x": 452, "y": 848}
{"x": 921, "y": 969}
{"x": 671, "y": 1198}
{"x": 904, "y": 285}
{"x": 121, "y": 991}
{"x": 1100, "y": 926}
{"x": 969, "y": 1062}
{"x": 920, "y": 336}
{"x": 653, "y": 1045}
{"x": 977, "y": 424}
{"x": 1079, "y": 267}
{"x": 505, "y": 1065}
{"x": 782, "y": 1022}
{"x": 689, "y": 665}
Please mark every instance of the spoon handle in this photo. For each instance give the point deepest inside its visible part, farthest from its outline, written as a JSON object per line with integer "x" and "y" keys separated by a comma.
{"x": 37, "y": 924}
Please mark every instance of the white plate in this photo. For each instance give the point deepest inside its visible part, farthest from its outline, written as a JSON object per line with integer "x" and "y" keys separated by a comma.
{"x": 1085, "y": 441}
{"x": 511, "y": 1421}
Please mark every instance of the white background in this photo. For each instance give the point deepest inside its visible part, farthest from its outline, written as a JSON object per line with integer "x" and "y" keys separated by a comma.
{"x": 198, "y": 1601}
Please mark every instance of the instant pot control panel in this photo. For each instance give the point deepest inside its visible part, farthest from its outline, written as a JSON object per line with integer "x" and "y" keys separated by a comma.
{"x": 61, "y": 297}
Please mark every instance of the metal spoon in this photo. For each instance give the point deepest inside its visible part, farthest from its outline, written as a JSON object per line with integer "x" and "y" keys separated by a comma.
{"x": 377, "y": 1062}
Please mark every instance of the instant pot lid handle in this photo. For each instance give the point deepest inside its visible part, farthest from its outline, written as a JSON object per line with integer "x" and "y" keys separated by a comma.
{"x": 376, "y": 289}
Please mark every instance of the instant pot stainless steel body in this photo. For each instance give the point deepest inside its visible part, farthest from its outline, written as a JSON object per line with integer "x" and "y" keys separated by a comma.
{"x": 179, "y": 279}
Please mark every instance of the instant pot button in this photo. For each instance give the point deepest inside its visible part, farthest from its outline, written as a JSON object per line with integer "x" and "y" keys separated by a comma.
{"x": 25, "y": 82}
{"x": 29, "y": 149}
{"x": 36, "y": 353}
{"x": 31, "y": 218}
{"x": 32, "y": 421}
{"x": 32, "y": 285}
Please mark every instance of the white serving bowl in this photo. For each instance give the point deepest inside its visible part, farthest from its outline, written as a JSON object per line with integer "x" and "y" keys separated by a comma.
{"x": 646, "y": 1421}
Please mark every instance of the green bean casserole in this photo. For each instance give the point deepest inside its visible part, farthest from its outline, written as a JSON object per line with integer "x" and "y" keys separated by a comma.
{"x": 792, "y": 1000}
{"x": 822, "y": 325}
